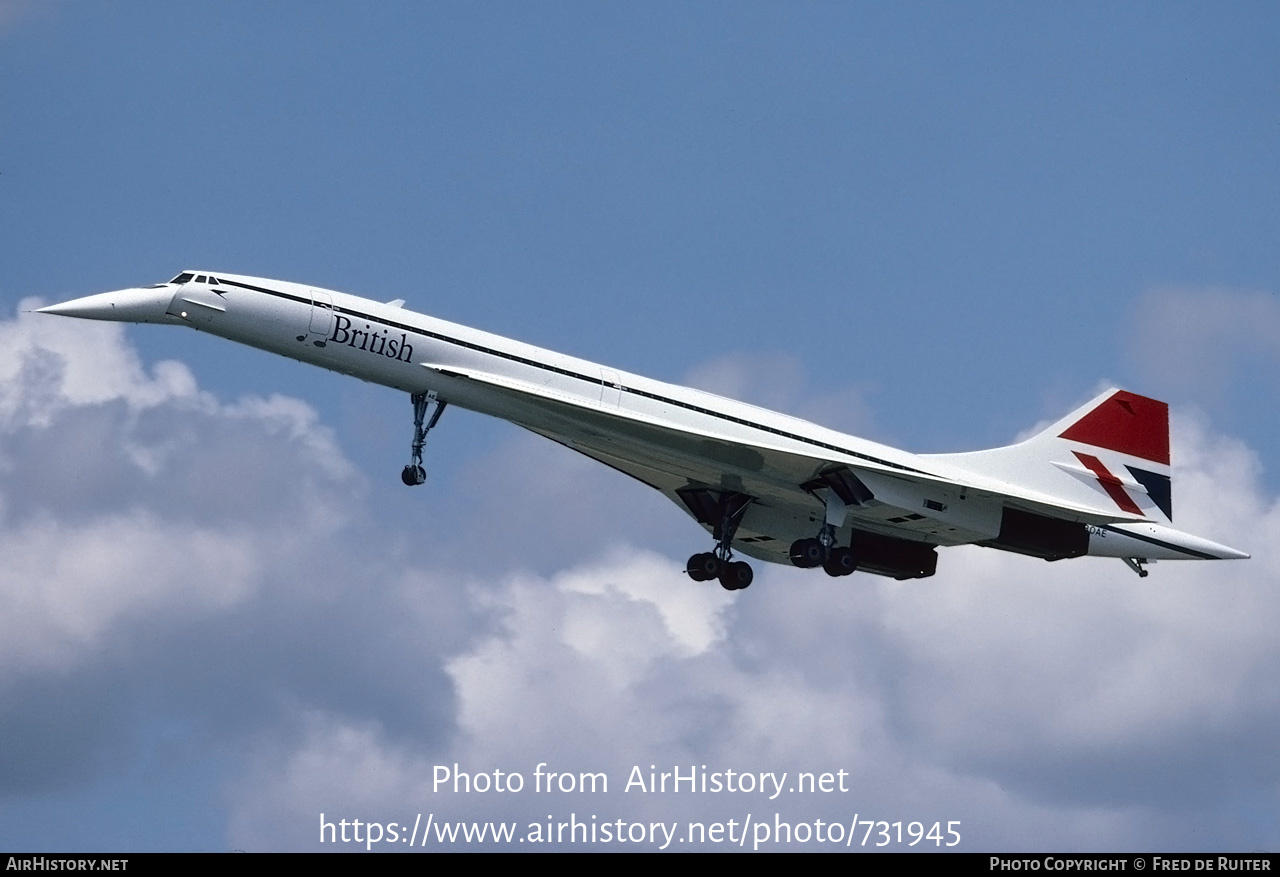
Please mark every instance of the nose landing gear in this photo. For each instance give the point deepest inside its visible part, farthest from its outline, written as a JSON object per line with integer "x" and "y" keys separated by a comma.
{"x": 413, "y": 474}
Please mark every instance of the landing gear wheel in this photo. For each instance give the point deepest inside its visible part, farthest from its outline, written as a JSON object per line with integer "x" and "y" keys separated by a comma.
{"x": 736, "y": 575}
{"x": 806, "y": 553}
{"x": 703, "y": 567}
{"x": 841, "y": 562}
{"x": 412, "y": 475}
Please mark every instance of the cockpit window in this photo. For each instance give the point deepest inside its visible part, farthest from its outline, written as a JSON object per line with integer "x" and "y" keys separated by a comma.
{"x": 201, "y": 279}
{"x": 213, "y": 281}
{"x": 182, "y": 278}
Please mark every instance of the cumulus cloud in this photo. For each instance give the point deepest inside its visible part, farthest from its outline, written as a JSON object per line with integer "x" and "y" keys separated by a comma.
{"x": 586, "y": 674}
{"x": 48, "y": 365}
{"x": 133, "y": 508}
{"x": 63, "y": 586}
{"x": 220, "y": 562}
{"x": 1067, "y": 705}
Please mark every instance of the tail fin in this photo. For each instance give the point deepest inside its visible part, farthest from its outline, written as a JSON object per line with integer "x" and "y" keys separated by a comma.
{"x": 1111, "y": 454}
{"x": 1122, "y": 422}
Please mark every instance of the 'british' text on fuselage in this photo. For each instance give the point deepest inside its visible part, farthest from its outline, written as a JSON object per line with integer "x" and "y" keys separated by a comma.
{"x": 371, "y": 341}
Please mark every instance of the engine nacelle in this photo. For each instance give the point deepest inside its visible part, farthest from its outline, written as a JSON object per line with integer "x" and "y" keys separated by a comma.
{"x": 899, "y": 558}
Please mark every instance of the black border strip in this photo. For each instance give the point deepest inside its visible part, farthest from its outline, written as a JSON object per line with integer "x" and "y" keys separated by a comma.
{"x": 594, "y": 381}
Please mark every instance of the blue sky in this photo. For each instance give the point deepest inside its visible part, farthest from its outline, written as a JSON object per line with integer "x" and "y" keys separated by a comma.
{"x": 928, "y": 224}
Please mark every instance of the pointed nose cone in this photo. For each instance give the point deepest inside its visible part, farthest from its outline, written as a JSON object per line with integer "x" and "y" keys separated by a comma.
{"x": 121, "y": 306}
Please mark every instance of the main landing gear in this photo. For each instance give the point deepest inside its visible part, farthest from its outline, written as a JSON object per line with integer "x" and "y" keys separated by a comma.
{"x": 722, "y": 511}
{"x": 414, "y": 474}
{"x": 822, "y": 549}
{"x": 734, "y": 575}
{"x": 836, "y": 560}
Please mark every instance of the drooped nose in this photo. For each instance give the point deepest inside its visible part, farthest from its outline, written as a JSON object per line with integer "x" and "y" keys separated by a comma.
{"x": 123, "y": 305}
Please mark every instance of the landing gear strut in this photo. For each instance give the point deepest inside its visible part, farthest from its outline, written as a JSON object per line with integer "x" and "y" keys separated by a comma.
{"x": 836, "y": 560}
{"x": 822, "y": 550}
{"x": 414, "y": 474}
{"x": 1138, "y": 565}
{"x": 722, "y": 511}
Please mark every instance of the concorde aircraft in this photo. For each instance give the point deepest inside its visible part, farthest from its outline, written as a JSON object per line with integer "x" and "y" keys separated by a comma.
{"x": 763, "y": 484}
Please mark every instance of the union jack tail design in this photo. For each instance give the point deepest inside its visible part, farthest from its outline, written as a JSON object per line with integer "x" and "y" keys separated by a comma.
{"x": 1111, "y": 454}
{"x": 1135, "y": 430}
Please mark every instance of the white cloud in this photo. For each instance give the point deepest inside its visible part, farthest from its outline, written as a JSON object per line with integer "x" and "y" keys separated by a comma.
{"x": 1040, "y": 704}
{"x": 64, "y": 588}
{"x": 1043, "y": 705}
{"x": 81, "y": 424}
{"x": 341, "y": 771}
{"x": 47, "y": 364}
